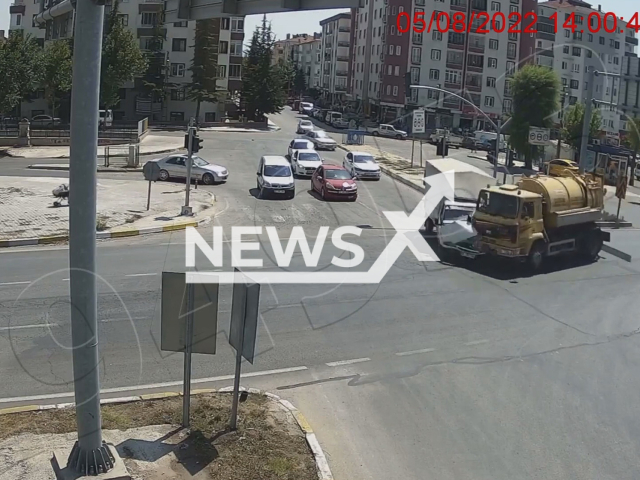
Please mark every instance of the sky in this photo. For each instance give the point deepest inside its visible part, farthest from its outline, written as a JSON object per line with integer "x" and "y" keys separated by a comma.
{"x": 308, "y": 21}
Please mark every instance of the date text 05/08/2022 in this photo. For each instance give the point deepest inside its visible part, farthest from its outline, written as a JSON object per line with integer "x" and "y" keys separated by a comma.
{"x": 483, "y": 22}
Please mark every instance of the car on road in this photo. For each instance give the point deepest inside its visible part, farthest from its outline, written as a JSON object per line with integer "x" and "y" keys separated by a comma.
{"x": 44, "y": 121}
{"x": 274, "y": 177}
{"x": 299, "y": 144}
{"x": 333, "y": 182}
{"x": 321, "y": 140}
{"x": 385, "y": 130}
{"x": 175, "y": 166}
{"x": 305, "y": 107}
{"x": 340, "y": 123}
{"x": 361, "y": 165}
{"x": 304, "y": 126}
{"x": 305, "y": 162}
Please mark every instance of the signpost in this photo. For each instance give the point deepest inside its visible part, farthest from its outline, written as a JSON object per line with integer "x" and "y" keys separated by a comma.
{"x": 539, "y": 136}
{"x": 189, "y": 322}
{"x": 243, "y": 332}
{"x": 418, "y": 127}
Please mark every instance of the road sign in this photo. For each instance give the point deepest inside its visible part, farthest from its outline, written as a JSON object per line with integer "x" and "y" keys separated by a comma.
{"x": 244, "y": 317}
{"x": 621, "y": 187}
{"x": 539, "y": 136}
{"x": 418, "y": 121}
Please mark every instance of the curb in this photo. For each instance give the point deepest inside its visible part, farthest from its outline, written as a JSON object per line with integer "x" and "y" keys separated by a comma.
{"x": 155, "y": 152}
{"x": 322, "y": 465}
{"x": 65, "y": 168}
{"x": 614, "y": 224}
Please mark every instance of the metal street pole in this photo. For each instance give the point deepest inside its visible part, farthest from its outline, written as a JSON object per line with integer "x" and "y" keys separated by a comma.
{"x": 497, "y": 153}
{"x": 188, "y": 347}
{"x": 564, "y": 96}
{"x": 90, "y": 454}
{"x": 186, "y": 210}
{"x": 586, "y": 122}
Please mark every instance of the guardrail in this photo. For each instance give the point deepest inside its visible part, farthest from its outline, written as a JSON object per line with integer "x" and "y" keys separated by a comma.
{"x": 8, "y": 132}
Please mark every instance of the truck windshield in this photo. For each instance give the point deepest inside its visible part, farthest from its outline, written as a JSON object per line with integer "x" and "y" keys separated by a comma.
{"x": 456, "y": 213}
{"x": 493, "y": 203}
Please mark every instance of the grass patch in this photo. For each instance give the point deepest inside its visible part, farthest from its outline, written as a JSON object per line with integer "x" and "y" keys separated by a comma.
{"x": 133, "y": 218}
{"x": 101, "y": 223}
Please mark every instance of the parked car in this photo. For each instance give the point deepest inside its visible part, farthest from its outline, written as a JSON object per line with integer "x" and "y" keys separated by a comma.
{"x": 175, "y": 166}
{"x": 44, "y": 121}
{"x": 385, "y": 130}
{"x": 299, "y": 144}
{"x": 304, "y": 126}
{"x": 274, "y": 176}
{"x": 332, "y": 116}
{"x": 305, "y": 162}
{"x": 321, "y": 140}
{"x": 340, "y": 123}
{"x": 334, "y": 182}
{"x": 305, "y": 107}
{"x": 453, "y": 140}
{"x": 361, "y": 165}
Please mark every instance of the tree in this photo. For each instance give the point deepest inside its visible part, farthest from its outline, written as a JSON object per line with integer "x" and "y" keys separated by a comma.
{"x": 21, "y": 69}
{"x": 572, "y": 125}
{"x": 633, "y": 125}
{"x": 153, "y": 84}
{"x": 58, "y": 71}
{"x": 204, "y": 66}
{"x": 122, "y": 59}
{"x": 535, "y": 92}
{"x": 264, "y": 85}
{"x": 299, "y": 82}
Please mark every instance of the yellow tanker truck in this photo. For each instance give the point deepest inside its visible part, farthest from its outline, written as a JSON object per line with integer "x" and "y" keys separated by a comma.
{"x": 541, "y": 216}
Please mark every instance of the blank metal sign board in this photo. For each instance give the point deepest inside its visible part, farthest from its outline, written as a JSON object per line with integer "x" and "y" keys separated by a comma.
{"x": 539, "y": 136}
{"x": 174, "y": 315}
{"x": 245, "y": 309}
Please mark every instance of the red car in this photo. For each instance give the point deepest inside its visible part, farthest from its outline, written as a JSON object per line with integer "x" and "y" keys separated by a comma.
{"x": 334, "y": 182}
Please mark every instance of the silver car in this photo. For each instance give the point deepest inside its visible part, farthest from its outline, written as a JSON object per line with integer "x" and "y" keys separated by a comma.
{"x": 321, "y": 140}
{"x": 175, "y": 166}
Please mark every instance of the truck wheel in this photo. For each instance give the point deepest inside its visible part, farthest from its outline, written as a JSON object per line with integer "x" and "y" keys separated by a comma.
{"x": 536, "y": 256}
{"x": 592, "y": 245}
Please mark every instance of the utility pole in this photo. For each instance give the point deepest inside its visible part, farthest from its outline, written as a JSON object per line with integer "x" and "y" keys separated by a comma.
{"x": 497, "y": 153}
{"x": 186, "y": 209}
{"x": 90, "y": 454}
{"x": 586, "y": 121}
{"x": 564, "y": 96}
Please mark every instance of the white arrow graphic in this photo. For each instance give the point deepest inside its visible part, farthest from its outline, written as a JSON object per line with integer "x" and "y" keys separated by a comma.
{"x": 407, "y": 235}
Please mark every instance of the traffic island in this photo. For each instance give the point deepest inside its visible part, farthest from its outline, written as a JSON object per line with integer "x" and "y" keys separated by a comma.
{"x": 273, "y": 441}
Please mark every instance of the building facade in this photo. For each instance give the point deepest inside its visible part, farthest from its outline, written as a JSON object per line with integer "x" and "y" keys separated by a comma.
{"x": 335, "y": 57}
{"x": 306, "y": 56}
{"x": 51, "y": 20}
{"x": 283, "y": 49}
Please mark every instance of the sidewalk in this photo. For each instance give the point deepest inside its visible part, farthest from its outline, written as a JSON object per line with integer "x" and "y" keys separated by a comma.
{"x": 150, "y": 144}
{"x": 27, "y": 208}
{"x": 272, "y": 127}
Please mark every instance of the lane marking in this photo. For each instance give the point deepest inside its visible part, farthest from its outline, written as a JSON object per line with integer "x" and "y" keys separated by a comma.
{"x": 14, "y": 283}
{"x": 476, "y": 342}
{"x": 124, "y": 319}
{"x": 66, "y": 279}
{"x": 156, "y": 385}
{"x": 415, "y": 352}
{"x": 140, "y": 274}
{"x": 22, "y": 327}
{"x": 347, "y": 362}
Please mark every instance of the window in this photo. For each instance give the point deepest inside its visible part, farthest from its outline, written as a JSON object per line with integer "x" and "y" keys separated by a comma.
{"x": 456, "y": 38}
{"x": 18, "y": 19}
{"x": 224, "y": 47}
{"x": 177, "y": 94}
{"x": 435, "y": 54}
{"x": 432, "y": 95}
{"x": 393, "y": 30}
{"x": 376, "y": 68}
{"x": 182, "y": 24}
{"x": 612, "y": 42}
{"x": 210, "y": 116}
{"x": 389, "y": 69}
{"x": 149, "y": 18}
{"x": 489, "y": 101}
{"x": 388, "y": 89}
{"x": 398, "y": 49}
{"x": 575, "y": 51}
{"x": 395, "y": 91}
{"x": 601, "y": 40}
{"x": 222, "y": 71}
{"x": 616, "y": 60}
{"x": 179, "y": 45}
{"x": 393, "y": 10}
{"x": 512, "y": 36}
{"x": 576, "y": 67}
{"x": 492, "y": 62}
{"x": 589, "y": 53}
{"x": 33, "y": 20}
{"x": 565, "y": 49}
{"x": 511, "y": 50}
{"x": 177, "y": 69}
{"x": 513, "y": 9}
{"x": 493, "y": 44}
{"x": 434, "y": 74}
{"x": 616, "y": 45}
{"x": 235, "y": 71}
{"x": 539, "y": 44}
{"x": 391, "y": 49}
{"x": 416, "y": 54}
{"x": 437, "y": 35}
{"x": 577, "y": 35}
{"x": 237, "y": 24}
{"x": 575, "y": 84}
{"x": 567, "y": 34}
{"x": 146, "y": 43}
{"x": 491, "y": 82}
{"x": 415, "y": 75}
{"x": 495, "y": 6}
{"x": 564, "y": 65}
{"x": 124, "y": 19}
{"x": 475, "y": 60}
{"x": 236, "y": 49}
{"x": 590, "y": 37}
{"x": 397, "y": 71}
{"x": 177, "y": 116}
{"x": 452, "y": 76}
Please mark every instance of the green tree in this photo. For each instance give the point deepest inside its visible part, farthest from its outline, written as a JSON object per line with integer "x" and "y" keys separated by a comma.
{"x": 535, "y": 91}
{"x": 122, "y": 59}
{"x": 153, "y": 84}
{"x": 204, "y": 66}
{"x": 299, "y": 82}
{"x": 572, "y": 125}
{"x": 21, "y": 69}
{"x": 264, "y": 85}
{"x": 633, "y": 126}
{"x": 58, "y": 70}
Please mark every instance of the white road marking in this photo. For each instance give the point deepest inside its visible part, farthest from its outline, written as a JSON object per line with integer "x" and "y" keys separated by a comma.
{"x": 415, "y": 352}
{"x": 347, "y": 362}
{"x": 65, "y": 279}
{"x": 141, "y": 275}
{"x": 14, "y": 283}
{"x": 155, "y": 385}
{"x": 278, "y": 218}
{"x": 476, "y": 342}
{"x": 123, "y": 319}
{"x": 24, "y": 327}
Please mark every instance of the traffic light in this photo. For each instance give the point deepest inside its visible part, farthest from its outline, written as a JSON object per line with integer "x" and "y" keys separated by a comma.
{"x": 186, "y": 141}
{"x": 197, "y": 144}
{"x": 407, "y": 84}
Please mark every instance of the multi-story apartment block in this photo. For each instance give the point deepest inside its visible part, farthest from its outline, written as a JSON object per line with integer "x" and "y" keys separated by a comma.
{"x": 283, "y": 49}
{"x": 335, "y": 57}
{"x": 573, "y": 54}
{"x": 307, "y": 57}
{"x": 54, "y": 19}
{"x": 629, "y": 98}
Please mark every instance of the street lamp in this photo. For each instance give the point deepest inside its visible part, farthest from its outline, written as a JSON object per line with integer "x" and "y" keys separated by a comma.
{"x": 565, "y": 93}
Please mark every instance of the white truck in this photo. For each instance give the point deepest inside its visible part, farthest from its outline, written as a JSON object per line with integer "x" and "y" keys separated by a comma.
{"x": 450, "y": 219}
{"x": 453, "y": 140}
{"x": 386, "y": 130}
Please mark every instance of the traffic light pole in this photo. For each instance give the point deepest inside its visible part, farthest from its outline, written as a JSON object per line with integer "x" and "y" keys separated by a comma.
{"x": 186, "y": 209}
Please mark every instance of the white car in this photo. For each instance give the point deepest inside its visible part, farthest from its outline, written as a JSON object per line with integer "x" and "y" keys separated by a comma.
{"x": 321, "y": 140}
{"x": 304, "y": 126}
{"x": 299, "y": 144}
{"x": 305, "y": 162}
{"x": 175, "y": 166}
{"x": 274, "y": 176}
{"x": 361, "y": 165}
{"x": 44, "y": 121}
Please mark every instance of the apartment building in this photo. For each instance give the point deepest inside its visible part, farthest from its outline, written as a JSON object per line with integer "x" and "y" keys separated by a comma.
{"x": 629, "y": 98}
{"x": 307, "y": 57}
{"x": 283, "y": 49}
{"x": 54, "y": 19}
{"x": 573, "y": 54}
{"x": 335, "y": 57}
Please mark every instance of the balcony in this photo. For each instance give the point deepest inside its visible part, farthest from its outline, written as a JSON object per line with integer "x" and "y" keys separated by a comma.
{"x": 453, "y": 86}
{"x": 456, "y": 46}
{"x": 341, "y": 88}
{"x": 631, "y": 40}
{"x": 480, "y": 5}
{"x": 344, "y": 29}
{"x": 17, "y": 7}
{"x": 476, "y": 48}
{"x": 341, "y": 58}
{"x": 343, "y": 44}
{"x": 459, "y": 5}
{"x": 342, "y": 73}
{"x": 454, "y": 65}
{"x": 451, "y": 103}
{"x": 473, "y": 87}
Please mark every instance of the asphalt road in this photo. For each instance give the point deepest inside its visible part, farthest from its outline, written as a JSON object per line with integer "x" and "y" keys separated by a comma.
{"x": 440, "y": 371}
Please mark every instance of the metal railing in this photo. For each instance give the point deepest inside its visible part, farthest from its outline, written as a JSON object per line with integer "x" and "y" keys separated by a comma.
{"x": 121, "y": 155}
{"x": 8, "y": 132}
